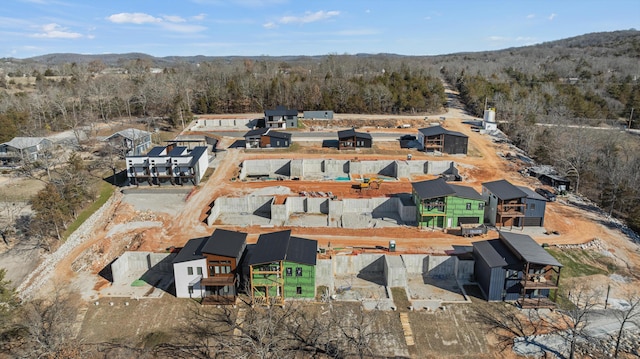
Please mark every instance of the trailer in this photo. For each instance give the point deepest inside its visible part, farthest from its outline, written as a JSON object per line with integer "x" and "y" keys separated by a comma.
{"x": 473, "y": 229}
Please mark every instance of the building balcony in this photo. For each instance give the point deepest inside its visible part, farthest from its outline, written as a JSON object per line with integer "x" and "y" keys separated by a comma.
{"x": 534, "y": 303}
{"x": 219, "y": 280}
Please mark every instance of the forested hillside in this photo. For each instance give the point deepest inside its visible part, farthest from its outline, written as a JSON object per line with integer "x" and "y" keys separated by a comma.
{"x": 543, "y": 96}
{"x": 541, "y": 93}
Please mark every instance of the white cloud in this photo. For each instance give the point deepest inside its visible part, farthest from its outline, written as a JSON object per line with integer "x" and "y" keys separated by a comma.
{"x": 169, "y": 22}
{"x": 199, "y": 17}
{"x": 133, "y": 18}
{"x": 498, "y": 38}
{"x": 531, "y": 16}
{"x": 55, "y": 31}
{"x": 308, "y": 17}
{"x": 552, "y": 16}
{"x": 270, "y": 25}
{"x": 174, "y": 18}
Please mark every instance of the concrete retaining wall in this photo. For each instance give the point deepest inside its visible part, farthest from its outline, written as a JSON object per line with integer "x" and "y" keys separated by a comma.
{"x": 138, "y": 262}
{"x": 324, "y": 273}
{"x": 394, "y": 272}
{"x": 442, "y": 266}
{"x": 368, "y": 263}
{"x": 415, "y": 263}
{"x": 465, "y": 270}
{"x": 341, "y": 168}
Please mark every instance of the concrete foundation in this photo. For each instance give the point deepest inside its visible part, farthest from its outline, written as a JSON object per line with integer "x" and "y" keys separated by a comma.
{"x": 154, "y": 269}
{"x": 314, "y": 169}
{"x": 314, "y": 211}
{"x": 428, "y": 280}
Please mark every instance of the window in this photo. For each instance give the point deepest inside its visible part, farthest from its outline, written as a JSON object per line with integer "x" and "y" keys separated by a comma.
{"x": 199, "y": 270}
{"x": 298, "y": 271}
{"x": 481, "y": 205}
{"x": 190, "y": 289}
{"x": 468, "y": 206}
{"x": 298, "y": 290}
{"x": 532, "y": 206}
{"x": 190, "y": 270}
{"x": 289, "y": 272}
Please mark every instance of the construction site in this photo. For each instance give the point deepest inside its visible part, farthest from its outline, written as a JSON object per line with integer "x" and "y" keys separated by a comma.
{"x": 356, "y": 204}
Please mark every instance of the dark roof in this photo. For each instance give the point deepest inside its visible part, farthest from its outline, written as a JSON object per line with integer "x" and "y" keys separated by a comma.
{"x": 257, "y": 132}
{"x": 177, "y": 151}
{"x": 196, "y": 153}
{"x": 433, "y": 188}
{"x": 495, "y": 253}
{"x": 525, "y": 248}
{"x": 225, "y": 243}
{"x": 192, "y": 250}
{"x": 504, "y": 190}
{"x": 156, "y": 151}
{"x": 531, "y": 193}
{"x": 352, "y": 133}
{"x": 276, "y": 134}
{"x": 439, "y": 188}
{"x": 466, "y": 192}
{"x": 277, "y": 246}
{"x": 439, "y": 130}
{"x": 281, "y": 111}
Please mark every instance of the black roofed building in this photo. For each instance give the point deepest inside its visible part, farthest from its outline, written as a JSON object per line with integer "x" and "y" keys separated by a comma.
{"x": 281, "y": 266}
{"x": 516, "y": 268}
{"x": 350, "y": 139}
{"x": 281, "y": 117}
{"x": 208, "y": 267}
{"x": 266, "y": 138}
{"x": 438, "y": 138}
{"x": 444, "y": 205}
{"x": 508, "y": 205}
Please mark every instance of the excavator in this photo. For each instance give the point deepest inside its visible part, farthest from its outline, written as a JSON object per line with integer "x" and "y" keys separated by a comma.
{"x": 370, "y": 183}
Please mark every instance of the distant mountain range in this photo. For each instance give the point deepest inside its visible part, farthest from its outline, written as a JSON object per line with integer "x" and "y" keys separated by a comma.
{"x": 622, "y": 41}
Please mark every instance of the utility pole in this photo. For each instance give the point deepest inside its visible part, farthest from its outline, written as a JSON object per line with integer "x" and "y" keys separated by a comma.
{"x": 630, "y": 118}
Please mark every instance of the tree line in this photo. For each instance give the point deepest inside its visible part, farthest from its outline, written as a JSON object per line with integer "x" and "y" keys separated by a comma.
{"x": 82, "y": 94}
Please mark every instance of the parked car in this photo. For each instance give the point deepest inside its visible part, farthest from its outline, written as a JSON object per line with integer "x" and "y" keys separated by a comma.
{"x": 550, "y": 196}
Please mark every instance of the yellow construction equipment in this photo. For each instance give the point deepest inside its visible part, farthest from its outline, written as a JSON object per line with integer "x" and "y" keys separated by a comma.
{"x": 373, "y": 183}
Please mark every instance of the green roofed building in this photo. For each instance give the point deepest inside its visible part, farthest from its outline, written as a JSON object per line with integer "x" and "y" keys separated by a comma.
{"x": 282, "y": 266}
{"x": 443, "y": 205}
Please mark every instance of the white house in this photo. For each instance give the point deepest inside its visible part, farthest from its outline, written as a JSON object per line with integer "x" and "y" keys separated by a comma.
{"x": 176, "y": 164}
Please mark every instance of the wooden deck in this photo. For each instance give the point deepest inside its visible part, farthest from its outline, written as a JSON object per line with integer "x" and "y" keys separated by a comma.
{"x": 533, "y": 303}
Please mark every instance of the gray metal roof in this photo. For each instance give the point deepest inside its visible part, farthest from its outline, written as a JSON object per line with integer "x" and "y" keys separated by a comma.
{"x": 281, "y": 111}
{"x": 466, "y": 192}
{"x": 130, "y": 133}
{"x": 192, "y": 250}
{"x": 156, "y": 151}
{"x": 525, "y": 248}
{"x": 439, "y": 188}
{"x": 196, "y": 153}
{"x": 221, "y": 242}
{"x": 278, "y": 246}
{"x": 494, "y": 253}
{"x": 225, "y": 243}
{"x": 24, "y": 142}
{"x": 276, "y": 134}
{"x": 504, "y": 190}
{"x": 352, "y": 133}
{"x": 257, "y": 132}
{"x": 531, "y": 193}
{"x": 177, "y": 151}
{"x": 439, "y": 130}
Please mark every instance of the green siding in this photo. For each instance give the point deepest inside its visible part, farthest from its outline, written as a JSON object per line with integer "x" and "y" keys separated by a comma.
{"x": 455, "y": 207}
{"x": 307, "y": 281}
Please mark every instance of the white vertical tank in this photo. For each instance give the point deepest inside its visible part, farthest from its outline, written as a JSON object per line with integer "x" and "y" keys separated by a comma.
{"x": 489, "y": 121}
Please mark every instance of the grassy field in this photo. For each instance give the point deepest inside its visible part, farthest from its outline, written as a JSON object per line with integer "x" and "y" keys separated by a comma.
{"x": 580, "y": 263}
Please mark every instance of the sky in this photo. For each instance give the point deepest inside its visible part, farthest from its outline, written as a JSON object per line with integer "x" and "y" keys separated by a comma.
{"x": 298, "y": 27}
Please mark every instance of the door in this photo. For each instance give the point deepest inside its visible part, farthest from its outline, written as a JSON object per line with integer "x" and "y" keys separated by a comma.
{"x": 449, "y": 222}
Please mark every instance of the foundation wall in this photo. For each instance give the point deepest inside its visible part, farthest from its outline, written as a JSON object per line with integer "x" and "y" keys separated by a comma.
{"x": 394, "y": 272}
